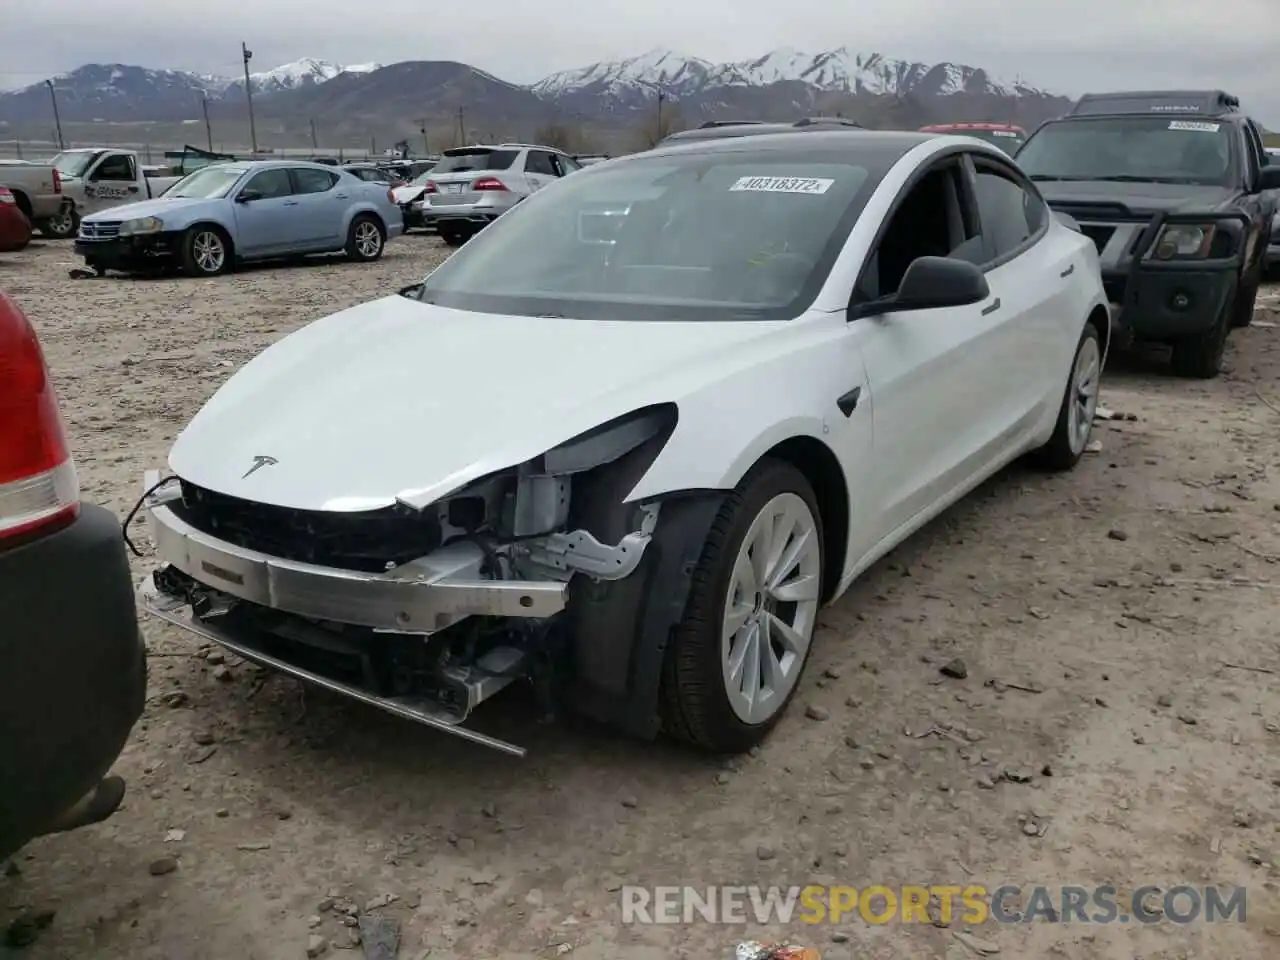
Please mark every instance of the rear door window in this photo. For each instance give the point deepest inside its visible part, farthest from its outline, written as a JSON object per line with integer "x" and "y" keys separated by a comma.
{"x": 306, "y": 180}
{"x": 478, "y": 158}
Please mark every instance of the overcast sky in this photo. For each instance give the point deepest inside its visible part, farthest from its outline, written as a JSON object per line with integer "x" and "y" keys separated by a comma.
{"x": 1067, "y": 46}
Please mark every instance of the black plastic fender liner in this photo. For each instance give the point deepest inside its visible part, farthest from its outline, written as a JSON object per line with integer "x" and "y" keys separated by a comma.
{"x": 620, "y": 628}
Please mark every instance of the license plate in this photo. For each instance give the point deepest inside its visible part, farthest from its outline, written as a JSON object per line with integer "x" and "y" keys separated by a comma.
{"x": 452, "y": 188}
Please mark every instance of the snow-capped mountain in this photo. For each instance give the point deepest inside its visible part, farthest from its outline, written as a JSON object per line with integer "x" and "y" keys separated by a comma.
{"x": 399, "y": 99}
{"x": 834, "y": 71}
{"x": 306, "y": 72}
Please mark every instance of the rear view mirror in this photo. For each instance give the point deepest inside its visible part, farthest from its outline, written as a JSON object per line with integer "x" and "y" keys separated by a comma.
{"x": 931, "y": 283}
{"x": 600, "y": 226}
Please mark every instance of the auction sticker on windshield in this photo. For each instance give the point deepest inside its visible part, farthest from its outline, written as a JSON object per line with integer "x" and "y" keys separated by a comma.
{"x": 1199, "y": 126}
{"x": 783, "y": 184}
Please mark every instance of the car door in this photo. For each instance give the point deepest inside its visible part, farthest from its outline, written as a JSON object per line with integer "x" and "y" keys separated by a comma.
{"x": 1259, "y": 207}
{"x": 267, "y": 214}
{"x": 539, "y": 169}
{"x": 1032, "y": 272}
{"x": 322, "y": 206}
{"x": 930, "y": 372}
{"x": 111, "y": 181}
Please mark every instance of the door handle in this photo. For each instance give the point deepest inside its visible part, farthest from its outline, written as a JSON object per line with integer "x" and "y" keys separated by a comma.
{"x": 291, "y": 203}
{"x": 1069, "y": 271}
{"x": 133, "y": 189}
{"x": 849, "y": 401}
{"x": 991, "y": 308}
{"x": 340, "y": 196}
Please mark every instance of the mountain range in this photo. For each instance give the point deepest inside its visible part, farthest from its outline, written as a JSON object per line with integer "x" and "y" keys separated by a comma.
{"x": 403, "y": 99}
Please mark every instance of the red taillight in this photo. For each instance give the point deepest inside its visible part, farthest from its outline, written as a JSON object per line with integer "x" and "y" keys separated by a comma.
{"x": 488, "y": 183}
{"x": 38, "y": 486}
{"x": 57, "y": 181}
{"x": 431, "y": 187}
{"x": 6, "y": 195}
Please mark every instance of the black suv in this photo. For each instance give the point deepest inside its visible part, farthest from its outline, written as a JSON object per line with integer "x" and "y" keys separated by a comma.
{"x": 1172, "y": 188}
{"x": 718, "y": 129}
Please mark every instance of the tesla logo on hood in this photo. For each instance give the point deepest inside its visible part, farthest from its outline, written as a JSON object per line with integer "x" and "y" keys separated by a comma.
{"x": 258, "y": 463}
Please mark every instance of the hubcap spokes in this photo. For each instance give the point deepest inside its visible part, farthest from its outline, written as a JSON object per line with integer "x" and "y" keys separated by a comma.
{"x": 208, "y": 252}
{"x": 367, "y": 239}
{"x": 1083, "y": 398}
{"x": 771, "y": 608}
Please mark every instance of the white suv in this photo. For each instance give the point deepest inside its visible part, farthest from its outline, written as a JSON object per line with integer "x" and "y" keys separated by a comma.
{"x": 473, "y": 186}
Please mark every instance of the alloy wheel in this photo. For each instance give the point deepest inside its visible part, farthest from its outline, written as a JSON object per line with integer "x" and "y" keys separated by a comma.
{"x": 771, "y": 608}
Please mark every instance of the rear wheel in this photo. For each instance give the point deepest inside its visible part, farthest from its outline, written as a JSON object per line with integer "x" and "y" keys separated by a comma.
{"x": 365, "y": 239}
{"x": 206, "y": 252}
{"x": 452, "y": 236}
{"x": 1075, "y": 416}
{"x": 736, "y": 658}
{"x": 63, "y": 224}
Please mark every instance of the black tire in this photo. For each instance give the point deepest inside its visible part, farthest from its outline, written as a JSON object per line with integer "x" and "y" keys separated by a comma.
{"x": 1200, "y": 357}
{"x": 694, "y": 703}
{"x": 452, "y": 237}
{"x": 1246, "y": 299}
{"x": 65, "y": 224}
{"x": 366, "y": 239}
{"x": 199, "y": 250}
{"x": 1063, "y": 451}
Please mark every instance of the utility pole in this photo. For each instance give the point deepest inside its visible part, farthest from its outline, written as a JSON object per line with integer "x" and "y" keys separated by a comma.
{"x": 373, "y": 147}
{"x": 658, "y": 132}
{"x": 247, "y": 54}
{"x": 426, "y": 146}
{"x": 57, "y": 120}
{"x": 314, "y": 144}
{"x": 462, "y": 127}
{"x": 208, "y": 129}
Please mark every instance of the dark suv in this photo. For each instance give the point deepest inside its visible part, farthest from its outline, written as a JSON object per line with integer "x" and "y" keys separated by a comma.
{"x": 718, "y": 129}
{"x": 1172, "y": 187}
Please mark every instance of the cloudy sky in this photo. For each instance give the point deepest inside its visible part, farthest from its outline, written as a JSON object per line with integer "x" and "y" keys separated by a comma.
{"x": 1064, "y": 45}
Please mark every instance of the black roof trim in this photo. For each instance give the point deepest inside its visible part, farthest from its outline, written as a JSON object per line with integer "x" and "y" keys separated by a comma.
{"x": 1200, "y": 103}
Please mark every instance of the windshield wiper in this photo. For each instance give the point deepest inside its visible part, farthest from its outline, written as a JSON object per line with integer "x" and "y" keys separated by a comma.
{"x": 1129, "y": 178}
{"x": 1045, "y": 176}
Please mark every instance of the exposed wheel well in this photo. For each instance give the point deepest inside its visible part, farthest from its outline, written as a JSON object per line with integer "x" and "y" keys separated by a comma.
{"x": 23, "y": 202}
{"x": 819, "y": 465}
{"x": 371, "y": 215}
{"x": 1102, "y": 321}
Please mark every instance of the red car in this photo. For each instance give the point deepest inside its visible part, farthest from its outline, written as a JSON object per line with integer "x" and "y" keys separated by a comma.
{"x": 1006, "y": 136}
{"x": 15, "y": 228}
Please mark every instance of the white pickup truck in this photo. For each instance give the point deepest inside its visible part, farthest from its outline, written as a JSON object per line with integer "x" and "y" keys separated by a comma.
{"x": 95, "y": 178}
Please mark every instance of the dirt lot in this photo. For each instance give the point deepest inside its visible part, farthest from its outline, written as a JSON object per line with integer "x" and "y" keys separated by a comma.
{"x": 1121, "y": 593}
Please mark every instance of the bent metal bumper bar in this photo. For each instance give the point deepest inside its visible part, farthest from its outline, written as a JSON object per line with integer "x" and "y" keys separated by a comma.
{"x": 177, "y": 612}
{"x": 424, "y": 596}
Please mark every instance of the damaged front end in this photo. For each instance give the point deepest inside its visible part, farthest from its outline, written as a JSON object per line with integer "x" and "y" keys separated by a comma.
{"x": 424, "y": 611}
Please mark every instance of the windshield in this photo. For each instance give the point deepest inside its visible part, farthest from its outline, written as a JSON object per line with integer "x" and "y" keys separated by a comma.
{"x": 480, "y": 158}
{"x": 1142, "y": 149}
{"x": 74, "y": 164}
{"x": 210, "y": 183}
{"x": 719, "y": 237}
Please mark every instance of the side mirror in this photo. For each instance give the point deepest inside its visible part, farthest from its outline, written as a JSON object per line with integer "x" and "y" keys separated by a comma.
{"x": 1269, "y": 178}
{"x": 411, "y": 292}
{"x": 247, "y": 196}
{"x": 933, "y": 282}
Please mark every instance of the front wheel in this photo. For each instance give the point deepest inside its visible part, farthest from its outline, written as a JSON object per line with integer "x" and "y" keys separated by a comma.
{"x": 1246, "y": 300}
{"x": 63, "y": 224}
{"x": 1079, "y": 403}
{"x": 365, "y": 239}
{"x": 1200, "y": 357}
{"x": 206, "y": 252}
{"x": 736, "y": 658}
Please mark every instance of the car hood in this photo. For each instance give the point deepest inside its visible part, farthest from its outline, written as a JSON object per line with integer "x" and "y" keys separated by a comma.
{"x": 1137, "y": 197}
{"x": 156, "y": 207}
{"x": 406, "y": 193}
{"x": 400, "y": 400}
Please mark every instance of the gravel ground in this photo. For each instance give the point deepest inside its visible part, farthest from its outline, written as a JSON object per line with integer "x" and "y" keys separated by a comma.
{"x": 1120, "y": 592}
